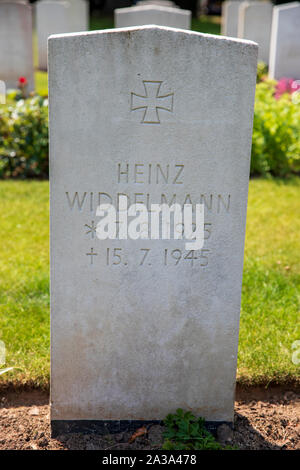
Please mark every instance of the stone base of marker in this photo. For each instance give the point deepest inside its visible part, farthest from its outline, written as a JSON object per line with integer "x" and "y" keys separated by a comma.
{"x": 16, "y": 54}
{"x": 152, "y": 14}
{"x": 59, "y": 427}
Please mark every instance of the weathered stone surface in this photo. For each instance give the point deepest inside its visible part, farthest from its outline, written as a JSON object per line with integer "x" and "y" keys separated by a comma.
{"x": 285, "y": 42}
{"x": 153, "y": 14}
{"x": 58, "y": 16}
{"x": 140, "y": 328}
{"x": 16, "y": 57}
{"x": 255, "y": 21}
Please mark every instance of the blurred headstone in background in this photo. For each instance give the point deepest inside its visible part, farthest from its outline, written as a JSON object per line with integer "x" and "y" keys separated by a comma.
{"x": 104, "y": 7}
{"x": 255, "y": 21}
{"x": 162, "y": 3}
{"x": 153, "y": 14}
{"x": 80, "y": 14}
{"x": 58, "y": 16}
{"x": 230, "y": 14}
{"x": 285, "y": 42}
{"x": 16, "y": 56}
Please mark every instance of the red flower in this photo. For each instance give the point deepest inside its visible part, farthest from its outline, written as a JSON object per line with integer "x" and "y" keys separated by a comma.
{"x": 286, "y": 85}
{"x": 22, "y": 81}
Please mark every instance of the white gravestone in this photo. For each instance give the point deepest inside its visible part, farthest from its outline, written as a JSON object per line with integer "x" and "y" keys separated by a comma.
{"x": 255, "y": 21}
{"x": 141, "y": 327}
{"x": 58, "y": 16}
{"x": 285, "y": 42}
{"x": 229, "y": 21}
{"x": 164, "y": 3}
{"x": 16, "y": 56}
{"x": 80, "y": 15}
{"x": 152, "y": 14}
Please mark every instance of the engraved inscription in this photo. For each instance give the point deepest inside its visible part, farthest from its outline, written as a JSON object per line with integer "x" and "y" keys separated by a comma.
{"x": 151, "y": 173}
{"x": 152, "y": 101}
{"x": 91, "y": 254}
{"x": 143, "y": 257}
{"x": 213, "y": 203}
{"x": 91, "y": 229}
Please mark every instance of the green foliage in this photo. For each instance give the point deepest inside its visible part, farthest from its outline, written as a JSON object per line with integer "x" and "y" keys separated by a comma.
{"x": 275, "y": 141}
{"x": 262, "y": 71}
{"x": 186, "y": 432}
{"x": 276, "y": 133}
{"x": 24, "y": 138}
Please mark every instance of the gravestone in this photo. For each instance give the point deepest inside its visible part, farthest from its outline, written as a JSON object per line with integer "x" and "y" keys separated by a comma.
{"x": 16, "y": 56}
{"x": 285, "y": 42}
{"x": 79, "y": 15}
{"x": 230, "y": 14}
{"x": 164, "y": 3}
{"x": 141, "y": 327}
{"x": 152, "y": 14}
{"x": 255, "y": 21}
{"x": 58, "y": 16}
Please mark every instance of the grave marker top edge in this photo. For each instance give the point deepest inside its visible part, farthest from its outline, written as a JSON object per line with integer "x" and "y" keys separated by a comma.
{"x": 223, "y": 39}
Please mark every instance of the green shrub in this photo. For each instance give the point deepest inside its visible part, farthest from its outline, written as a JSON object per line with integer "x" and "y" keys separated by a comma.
{"x": 186, "y": 432}
{"x": 276, "y": 133}
{"x": 24, "y": 138}
{"x": 262, "y": 71}
{"x": 275, "y": 144}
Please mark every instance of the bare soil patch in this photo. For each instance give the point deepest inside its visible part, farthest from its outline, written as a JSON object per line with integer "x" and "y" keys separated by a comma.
{"x": 264, "y": 419}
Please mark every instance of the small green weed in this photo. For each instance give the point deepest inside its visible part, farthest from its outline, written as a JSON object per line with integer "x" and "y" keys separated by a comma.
{"x": 186, "y": 432}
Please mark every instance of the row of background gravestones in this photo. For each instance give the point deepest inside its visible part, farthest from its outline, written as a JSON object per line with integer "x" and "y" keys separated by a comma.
{"x": 62, "y": 16}
{"x": 16, "y": 28}
{"x": 153, "y": 13}
{"x": 276, "y": 30}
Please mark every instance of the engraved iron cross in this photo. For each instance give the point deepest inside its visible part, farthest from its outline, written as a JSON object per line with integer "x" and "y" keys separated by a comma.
{"x": 151, "y": 102}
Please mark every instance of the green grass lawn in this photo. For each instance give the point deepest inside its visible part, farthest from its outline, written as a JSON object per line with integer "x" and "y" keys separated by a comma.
{"x": 41, "y": 82}
{"x": 24, "y": 279}
{"x": 270, "y": 314}
{"x": 270, "y": 317}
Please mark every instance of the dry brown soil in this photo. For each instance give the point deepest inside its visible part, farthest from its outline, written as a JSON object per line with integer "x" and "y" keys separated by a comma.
{"x": 264, "y": 419}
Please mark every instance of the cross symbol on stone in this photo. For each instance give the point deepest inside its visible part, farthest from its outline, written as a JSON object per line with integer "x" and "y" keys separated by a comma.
{"x": 91, "y": 229}
{"x": 151, "y": 102}
{"x": 91, "y": 254}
